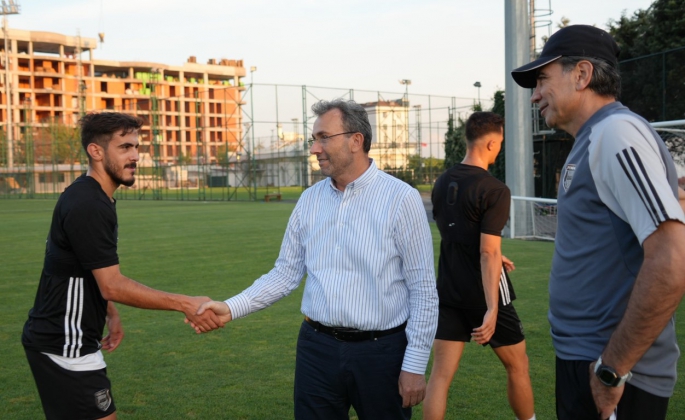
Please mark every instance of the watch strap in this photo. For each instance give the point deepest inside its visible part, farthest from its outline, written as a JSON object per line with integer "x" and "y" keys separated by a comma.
{"x": 621, "y": 379}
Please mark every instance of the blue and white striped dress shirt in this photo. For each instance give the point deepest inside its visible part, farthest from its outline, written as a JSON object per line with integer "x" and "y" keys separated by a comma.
{"x": 368, "y": 255}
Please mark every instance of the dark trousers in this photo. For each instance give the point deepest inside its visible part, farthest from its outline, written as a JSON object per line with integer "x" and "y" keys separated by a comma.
{"x": 574, "y": 396}
{"x": 331, "y": 375}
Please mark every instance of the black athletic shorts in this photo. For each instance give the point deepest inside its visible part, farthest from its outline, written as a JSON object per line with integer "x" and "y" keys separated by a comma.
{"x": 457, "y": 324}
{"x": 67, "y": 394}
{"x": 575, "y": 402}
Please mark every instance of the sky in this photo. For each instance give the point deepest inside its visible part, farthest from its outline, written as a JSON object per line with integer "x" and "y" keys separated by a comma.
{"x": 442, "y": 46}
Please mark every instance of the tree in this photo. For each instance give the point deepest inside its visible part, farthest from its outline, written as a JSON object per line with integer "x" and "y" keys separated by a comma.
{"x": 498, "y": 169}
{"x": 184, "y": 159}
{"x": 424, "y": 170}
{"x": 455, "y": 139}
{"x": 58, "y": 143}
{"x": 455, "y": 142}
{"x": 224, "y": 151}
{"x": 653, "y": 86}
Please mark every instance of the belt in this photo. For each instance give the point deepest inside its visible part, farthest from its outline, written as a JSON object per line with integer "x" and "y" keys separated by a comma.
{"x": 351, "y": 334}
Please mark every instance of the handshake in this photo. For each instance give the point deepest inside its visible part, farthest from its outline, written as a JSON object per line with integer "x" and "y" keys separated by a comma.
{"x": 205, "y": 315}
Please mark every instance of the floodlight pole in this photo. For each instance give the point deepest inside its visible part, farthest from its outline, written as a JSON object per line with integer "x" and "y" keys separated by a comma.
{"x": 8, "y": 8}
{"x": 478, "y": 85}
{"x": 254, "y": 162}
{"x": 518, "y": 125}
{"x": 405, "y": 104}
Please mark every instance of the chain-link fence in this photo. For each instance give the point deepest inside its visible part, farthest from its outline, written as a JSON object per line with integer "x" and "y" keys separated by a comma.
{"x": 225, "y": 143}
{"x": 654, "y": 85}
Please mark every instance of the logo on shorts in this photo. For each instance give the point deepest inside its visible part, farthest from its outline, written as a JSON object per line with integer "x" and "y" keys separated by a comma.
{"x": 568, "y": 176}
{"x": 103, "y": 400}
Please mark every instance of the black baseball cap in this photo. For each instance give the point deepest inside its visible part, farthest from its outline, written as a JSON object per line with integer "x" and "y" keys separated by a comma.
{"x": 574, "y": 40}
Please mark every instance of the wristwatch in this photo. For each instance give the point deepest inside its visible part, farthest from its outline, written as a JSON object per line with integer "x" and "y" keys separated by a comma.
{"x": 608, "y": 376}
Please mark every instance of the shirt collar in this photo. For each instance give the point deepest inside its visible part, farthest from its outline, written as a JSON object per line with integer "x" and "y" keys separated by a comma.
{"x": 363, "y": 180}
{"x": 600, "y": 115}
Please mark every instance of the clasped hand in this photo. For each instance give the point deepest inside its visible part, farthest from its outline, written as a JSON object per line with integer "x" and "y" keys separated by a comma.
{"x": 208, "y": 316}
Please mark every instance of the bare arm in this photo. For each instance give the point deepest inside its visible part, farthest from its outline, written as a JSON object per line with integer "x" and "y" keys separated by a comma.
{"x": 115, "y": 333}
{"x": 116, "y": 287}
{"x": 491, "y": 268}
{"x": 658, "y": 289}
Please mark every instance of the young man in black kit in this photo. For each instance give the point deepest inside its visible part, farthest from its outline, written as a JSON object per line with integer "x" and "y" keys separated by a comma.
{"x": 471, "y": 207}
{"x": 81, "y": 279}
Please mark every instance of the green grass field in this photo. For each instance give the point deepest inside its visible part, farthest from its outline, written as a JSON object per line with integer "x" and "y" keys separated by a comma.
{"x": 244, "y": 371}
{"x": 241, "y": 193}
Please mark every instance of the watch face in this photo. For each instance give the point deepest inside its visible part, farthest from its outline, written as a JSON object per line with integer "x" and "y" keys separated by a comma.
{"x": 607, "y": 376}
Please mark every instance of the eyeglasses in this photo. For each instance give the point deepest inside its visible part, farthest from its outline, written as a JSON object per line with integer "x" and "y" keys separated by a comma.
{"x": 324, "y": 139}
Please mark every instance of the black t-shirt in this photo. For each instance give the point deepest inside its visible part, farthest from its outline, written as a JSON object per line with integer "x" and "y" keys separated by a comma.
{"x": 467, "y": 201}
{"x": 68, "y": 315}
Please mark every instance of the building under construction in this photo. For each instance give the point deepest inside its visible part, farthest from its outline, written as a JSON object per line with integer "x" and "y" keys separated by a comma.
{"x": 191, "y": 112}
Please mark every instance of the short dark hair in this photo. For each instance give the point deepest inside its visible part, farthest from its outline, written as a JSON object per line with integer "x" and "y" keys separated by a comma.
{"x": 480, "y": 124}
{"x": 100, "y": 127}
{"x": 605, "y": 81}
{"x": 354, "y": 117}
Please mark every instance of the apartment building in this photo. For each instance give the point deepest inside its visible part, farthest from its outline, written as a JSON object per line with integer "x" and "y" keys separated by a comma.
{"x": 391, "y": 144}
{"x": 191, "y": 111}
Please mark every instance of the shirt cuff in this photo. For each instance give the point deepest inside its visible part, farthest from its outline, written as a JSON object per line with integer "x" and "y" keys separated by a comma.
{"x": 415, "y": 360}
{"x": 239, "y": 306}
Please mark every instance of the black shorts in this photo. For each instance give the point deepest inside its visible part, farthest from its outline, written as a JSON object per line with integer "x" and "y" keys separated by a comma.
{"x": 575, "y": 402}
{"x": 457, "y": 324}
{"x": 67, "y": 394}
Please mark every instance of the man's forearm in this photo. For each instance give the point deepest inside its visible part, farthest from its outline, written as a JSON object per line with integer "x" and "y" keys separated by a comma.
{"x": 422, "y": 323}
{"x": 657, "y": 292}
{"x": 116, "y": 287}
{"x": 112, "y": 311}
{"x": 491, "y": 269}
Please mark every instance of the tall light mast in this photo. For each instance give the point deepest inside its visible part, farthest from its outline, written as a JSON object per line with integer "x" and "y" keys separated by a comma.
{"x": 9, "y": 7}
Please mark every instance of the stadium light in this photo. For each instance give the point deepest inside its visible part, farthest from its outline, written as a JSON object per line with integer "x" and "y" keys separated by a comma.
{"x": 478, "y": 85}
{"x": 8, "y": 8}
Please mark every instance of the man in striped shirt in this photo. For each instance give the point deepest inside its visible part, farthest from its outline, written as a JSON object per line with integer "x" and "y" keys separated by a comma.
{"x": 471, "y": 208}
{"x": 362, "y": 238}
{"x": 81, "y": 280}
{"x": 618, "y": 271}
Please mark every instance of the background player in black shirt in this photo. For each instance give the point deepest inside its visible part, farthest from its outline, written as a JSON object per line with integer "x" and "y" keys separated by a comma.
{"x": 81, "y": 279}
{"x": 471, "y": 207}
